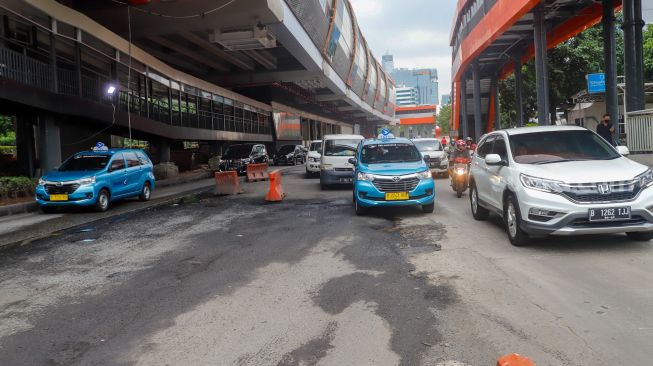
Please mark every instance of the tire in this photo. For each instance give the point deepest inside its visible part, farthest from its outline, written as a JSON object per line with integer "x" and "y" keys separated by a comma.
{"x": 294, "y": 162}
{"x": 48, "y": 209}
{"x": 360, "y": 210}
{"x": 512, "y": 220}
{"x": 640, "y": 236}
{"x": 146, "y": 192}
{"x": 102, "y": 201}
{"x": 479, "y": 212}
{"x": 428, "y": 208}
{"x": 324, "y": 187}
{"x": 459, "y": 190}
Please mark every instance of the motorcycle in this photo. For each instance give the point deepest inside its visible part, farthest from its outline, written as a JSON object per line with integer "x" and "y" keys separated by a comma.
{"x": 459, "y": 175}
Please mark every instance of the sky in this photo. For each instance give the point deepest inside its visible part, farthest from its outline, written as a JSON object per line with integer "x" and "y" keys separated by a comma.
{"x": 416, "y": 32}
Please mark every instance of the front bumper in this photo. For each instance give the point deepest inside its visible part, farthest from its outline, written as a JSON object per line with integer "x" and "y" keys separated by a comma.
{"x": 574, "y": 217}
{"x": 336, "y": 176}
{"x": 312, "y": 166}
{"x": 82, "y": 196}
{"x": 369, "y": 196}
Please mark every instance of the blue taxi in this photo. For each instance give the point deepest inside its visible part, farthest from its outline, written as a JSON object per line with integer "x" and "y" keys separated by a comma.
{"x": 391, "y": 172}
{"x": 96, "y": 178}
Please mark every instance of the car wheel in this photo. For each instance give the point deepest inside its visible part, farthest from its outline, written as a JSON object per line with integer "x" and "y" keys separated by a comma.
{"x": 428, "y": 208}
{"x": 324, "y": 186}
{"x": 479, "y": 212}
{"x": 102, "y": 201}
{"x": 146, "y": 192}
{"x": 512, "y": 220}
{"x": 360, "y": 210}
{"x": 640, "y": 236}
{"x": 48, "y": 209}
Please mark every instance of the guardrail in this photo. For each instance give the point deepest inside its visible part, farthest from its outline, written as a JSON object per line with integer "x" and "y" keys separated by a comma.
{"x": 639, "y": 131}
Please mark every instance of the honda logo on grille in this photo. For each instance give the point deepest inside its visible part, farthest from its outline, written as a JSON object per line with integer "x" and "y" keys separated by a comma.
{"x": 604, "y": 188}
{"x": 396, "y": 179}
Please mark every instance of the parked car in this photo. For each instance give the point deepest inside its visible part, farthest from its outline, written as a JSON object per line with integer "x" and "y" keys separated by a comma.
{"x": 237, "y": 157}
{"x": 335, "y": 167}
{"x": 560, "y": 180}
{"x": 97, "y": 178}
{"x": 391, "y": 172}
{"x": 313, "y": 158}
{"x": 290, "y": 155}
{"x": 439, "y": 162}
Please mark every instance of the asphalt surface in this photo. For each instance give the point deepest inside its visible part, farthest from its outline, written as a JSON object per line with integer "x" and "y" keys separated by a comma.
{"x": 237, "y": 281}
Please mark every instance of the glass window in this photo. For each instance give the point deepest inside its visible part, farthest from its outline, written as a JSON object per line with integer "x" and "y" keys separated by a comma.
{"x": 559, "y": 146}
{"x": 389, "y": 153}
{"x": 428, "y": 145}
{"x": 118, "y": 162}
{"x": 83, "y": 162}
{"x": 315, "y": 146}
{"x": 143, "y": 158}
{"x": 132, "y": 159}
{"x": 485, "y": 147}
{"x": 499, "y": 148}
{"x": 340, "y": 147}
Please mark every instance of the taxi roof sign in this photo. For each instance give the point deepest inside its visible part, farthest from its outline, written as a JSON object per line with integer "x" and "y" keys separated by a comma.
{"x": 100, "y": 146}
{"x": 386, "y": 134}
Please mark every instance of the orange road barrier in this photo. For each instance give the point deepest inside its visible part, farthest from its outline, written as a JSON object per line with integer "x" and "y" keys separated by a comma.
{"x": 276, "y": 193}
{"x": 227, "y": 183}
{"x": 515, "y": 360}
{"x": 256, "y": 172}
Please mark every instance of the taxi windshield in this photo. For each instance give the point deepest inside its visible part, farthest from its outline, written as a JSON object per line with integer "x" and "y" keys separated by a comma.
{"x": 85, "y": 162}
{"x": 389, "y": 153}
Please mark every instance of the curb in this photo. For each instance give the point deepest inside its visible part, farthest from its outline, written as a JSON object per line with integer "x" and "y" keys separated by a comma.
{"x": 20, "y": 242}
{"x": 18, "y": 208}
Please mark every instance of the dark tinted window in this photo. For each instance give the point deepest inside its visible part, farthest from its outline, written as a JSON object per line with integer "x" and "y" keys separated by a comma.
{"x": 287, "y": 149}
{"x": 143, "y": 158}
{"x": 485, "y": 147}
{"x": 389, "y": 153}
{"x": 555, "y": 146}
{"x": 316, "y": 146}
{"x": 499, "y": 148}
{"x": 85, "y": 162}
{"x": 132, "y": 159}
{"x": 238, "y": 151}
{"x": 118, "y": 163}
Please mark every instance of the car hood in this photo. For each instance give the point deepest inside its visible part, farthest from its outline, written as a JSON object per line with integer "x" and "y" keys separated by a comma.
{"x": 393, "y": 168}
{"x": 314, "y": 154}
{"x": 594, "y": 171}
{"x": 58, "y": 176}
{"x": 434, "y": 154}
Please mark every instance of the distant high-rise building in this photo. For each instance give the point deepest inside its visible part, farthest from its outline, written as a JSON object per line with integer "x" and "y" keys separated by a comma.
{"x": 446, "y": 99}
{"x": 388, "y": 63}
{"x": 406, "y": 96}
{"x": 425, "y": 81}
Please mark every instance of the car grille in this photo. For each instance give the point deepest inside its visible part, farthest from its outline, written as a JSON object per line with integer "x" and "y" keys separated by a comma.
{"x": 344, "y": 169}
{"x": 589, "y": 192}
{"x": 390, "y": 185}
{"x": 585, "y": 223}
{"x": 435, "y": 162}
{"x": 63, "y": 189}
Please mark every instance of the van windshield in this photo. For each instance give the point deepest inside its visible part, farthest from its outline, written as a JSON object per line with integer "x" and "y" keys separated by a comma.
{"x": 428, "y": 145}
{"x": 340, "y": 147}
{"x": 389, "y": 153}
{"x": 85, "y": 162}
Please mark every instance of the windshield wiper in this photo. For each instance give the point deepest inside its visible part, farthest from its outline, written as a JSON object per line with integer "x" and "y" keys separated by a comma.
{"x": 557, "y": 161}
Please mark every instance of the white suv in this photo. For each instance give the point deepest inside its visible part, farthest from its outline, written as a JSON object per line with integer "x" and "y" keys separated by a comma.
{"x": 560, "y": 180}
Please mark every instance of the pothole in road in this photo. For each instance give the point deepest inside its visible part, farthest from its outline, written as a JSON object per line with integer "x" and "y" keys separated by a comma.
{"x": 416, "y": 238}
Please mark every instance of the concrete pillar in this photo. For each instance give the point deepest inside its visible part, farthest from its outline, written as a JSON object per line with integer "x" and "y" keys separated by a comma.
{"x": 541, "y": 70}
{"x": 25, "y": 145}
{"x": 478, "y": 114}
{"x": 497, "y": 104}
{"x": 464, "y": 126}
{"x": 164, "y": 150}
{"x": 49, "y": 143}
{"x": 519, "y": 100}
{"x": 633, "y": 49}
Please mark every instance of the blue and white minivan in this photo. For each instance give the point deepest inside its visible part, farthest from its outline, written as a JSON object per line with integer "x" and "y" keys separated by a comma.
{"x": 96, "y": 178}
{"x": 391, "y": 172}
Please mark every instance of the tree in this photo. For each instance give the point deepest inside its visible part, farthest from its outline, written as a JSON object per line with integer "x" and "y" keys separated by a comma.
{"x": 648, "y": 53}
{"x": 6, "y": 125}
{"x": 444, "y": 118}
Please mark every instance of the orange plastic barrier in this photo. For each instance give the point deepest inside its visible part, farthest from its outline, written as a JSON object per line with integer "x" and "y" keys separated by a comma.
{"x": 515, "y": 360}
{"x": 256, "y": 172}
{"x": 276, "y": 193}
{"x": 227, "y": 183}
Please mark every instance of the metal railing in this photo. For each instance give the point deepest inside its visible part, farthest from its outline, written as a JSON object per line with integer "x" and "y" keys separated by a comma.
{"x": 639, "y": 131}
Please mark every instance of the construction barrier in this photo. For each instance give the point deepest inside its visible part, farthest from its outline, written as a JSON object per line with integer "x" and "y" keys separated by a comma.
{"x": 276, "y": 193}
{"x": 227, "y": 183}
{"x": 515, "y": 360}
{"x": 256, "y": 172}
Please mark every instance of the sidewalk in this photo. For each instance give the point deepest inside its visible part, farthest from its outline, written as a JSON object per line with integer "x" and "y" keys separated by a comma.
{"x": 23, "y": 228}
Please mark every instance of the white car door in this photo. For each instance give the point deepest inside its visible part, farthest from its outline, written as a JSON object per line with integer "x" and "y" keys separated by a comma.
{"x": 496, "y": 175}
{"x": 479, "y": 168}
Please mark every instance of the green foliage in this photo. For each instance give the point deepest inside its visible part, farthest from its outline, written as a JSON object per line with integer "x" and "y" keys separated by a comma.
{"x": 648, "y": 53}
{"x": 444, "y": 119}
{"x": 14, "y": 187}
{"x": 6, "y": 125}
{"x": 7, "y": 150}
{"x": 8, "y": 140}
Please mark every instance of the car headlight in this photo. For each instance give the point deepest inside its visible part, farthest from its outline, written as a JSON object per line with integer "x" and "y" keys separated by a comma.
{"x": 41, "y": 182}
{"x": 425, "y": 175}
{"x": 541, "y": 184}
{"x": 326, "y": 167}
{"x": 365, "y": 176}
{"x": 645, "y": 179}
{"x": 86, "y": 181}
{"x": 315, "y": 160}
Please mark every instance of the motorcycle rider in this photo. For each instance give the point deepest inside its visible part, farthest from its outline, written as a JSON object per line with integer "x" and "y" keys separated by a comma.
{"x": 461, "y": 151}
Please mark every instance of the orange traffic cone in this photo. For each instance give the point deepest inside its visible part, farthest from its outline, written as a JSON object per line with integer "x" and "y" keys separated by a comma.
{"x": 514, "y": 360}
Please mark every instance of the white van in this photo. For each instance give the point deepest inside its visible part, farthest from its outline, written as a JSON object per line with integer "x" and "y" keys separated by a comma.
{"x": 336, "y": 151}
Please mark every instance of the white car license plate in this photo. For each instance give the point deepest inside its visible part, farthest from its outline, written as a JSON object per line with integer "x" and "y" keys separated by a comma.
{"x": 346, "y": 180}
{"x": 609, "y": 214}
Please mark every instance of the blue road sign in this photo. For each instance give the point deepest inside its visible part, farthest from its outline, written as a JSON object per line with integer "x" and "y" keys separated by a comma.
{"x": 596, "y": 83}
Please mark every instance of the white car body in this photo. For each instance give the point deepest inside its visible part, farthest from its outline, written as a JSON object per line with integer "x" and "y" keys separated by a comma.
{"x": 438, "y": 159}
{"x": 313, "y": 157}
{"x": 337, "y": 169}
{"x": 572, "y": 190}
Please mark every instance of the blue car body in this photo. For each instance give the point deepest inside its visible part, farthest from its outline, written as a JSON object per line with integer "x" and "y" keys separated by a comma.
{"x": 373, "y": 181}
{"x": 123, "y": 173}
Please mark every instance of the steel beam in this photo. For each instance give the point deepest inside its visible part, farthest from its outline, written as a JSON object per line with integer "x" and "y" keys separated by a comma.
{"x": 230, "y": 57}
{"x": 188, "y": 53}
{"x": 478, "y": 113}
{"x": 633, "y": 48}
{"x": 54, "y": 87}
{"x": 541, "y": 71}
{"x": 519, "y": 101}
{"x": 610, "y": 59}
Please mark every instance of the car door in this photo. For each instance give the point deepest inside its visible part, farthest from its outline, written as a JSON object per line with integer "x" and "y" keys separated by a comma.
{"x": 134, "y": 173}
{"x": 479, "y": 168}
{"x": 118, "y": 176}
{"x": 497, "y": 174}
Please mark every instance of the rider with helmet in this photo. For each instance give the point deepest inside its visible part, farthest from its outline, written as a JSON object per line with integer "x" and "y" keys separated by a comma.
{"x": 461, "y": 151}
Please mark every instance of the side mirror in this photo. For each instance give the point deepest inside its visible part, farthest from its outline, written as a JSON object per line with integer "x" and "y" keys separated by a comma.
{"x": 352, "y": 161}
{"x": 623, "y": 150}
{"x": 494, "y": 160}
{"x": 427, "y": 158}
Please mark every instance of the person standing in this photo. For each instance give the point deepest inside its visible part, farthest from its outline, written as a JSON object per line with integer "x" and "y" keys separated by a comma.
{"x": 605, "y": 129}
